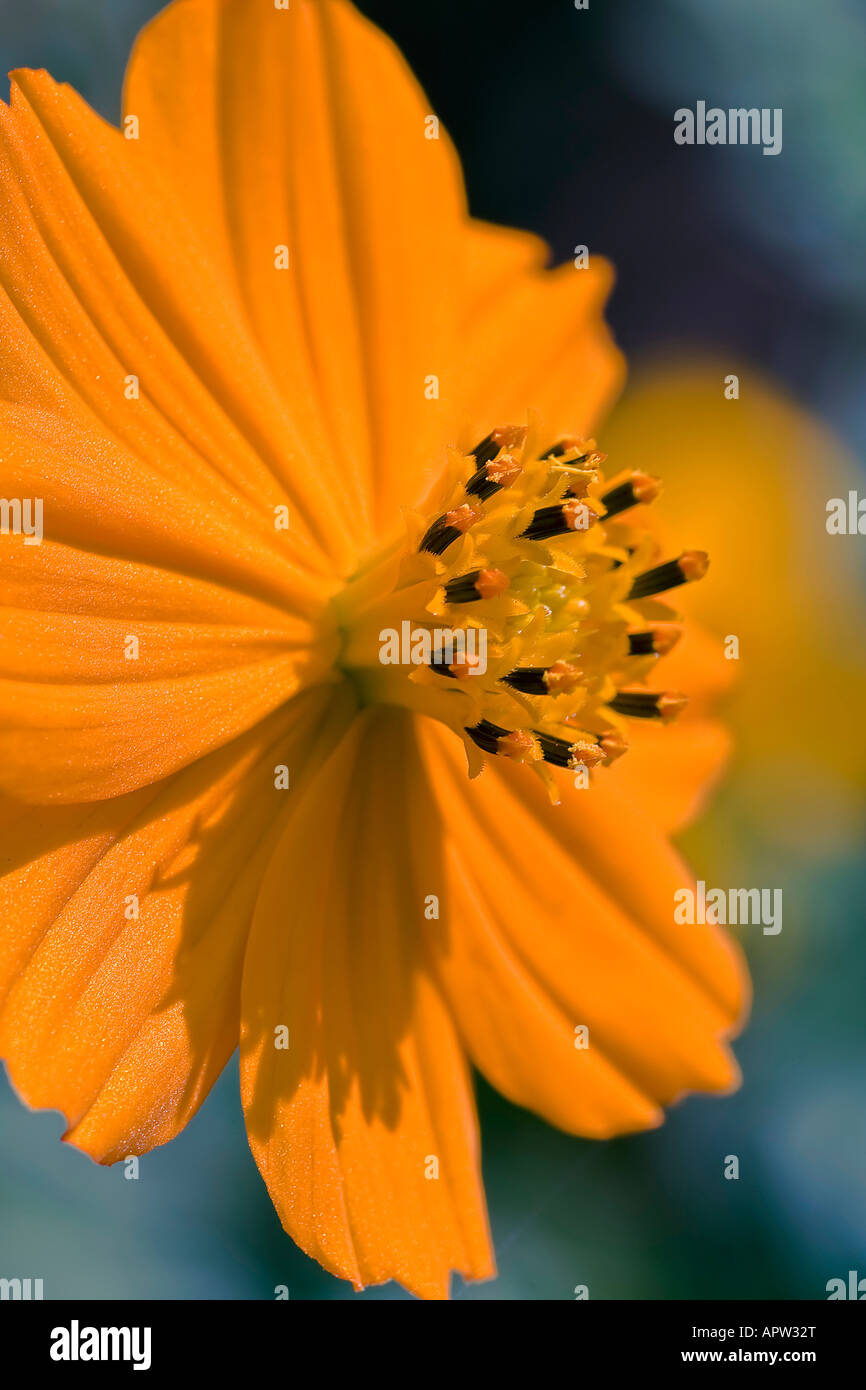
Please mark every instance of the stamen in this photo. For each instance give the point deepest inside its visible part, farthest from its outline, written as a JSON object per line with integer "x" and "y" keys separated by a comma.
{"x": 491, "y": 477}
{"x": 585, "y": 449}
{"x": 458, "y": 669}
{"x": 691, "y": 565}
{"x": 579, "y": 485}
{"x": 561, "y": 753}
{"x": 559, "y": 679}
{"x": 658, "y": 640}
{"x": 477, "y": 584}
{"x": 561, "y": 628}
{"x": 558, "y": 520}
{"x": 463, "y": 666}
{"x": 649, "y": 704}
{"x": 562, "y": 446}
{"x": 447, "y": 528}
{"x": 517, "y": 744}
{"x": 487, "y": 735}
{"x": 506, "y": 437}
{"x": 639, "y": 488}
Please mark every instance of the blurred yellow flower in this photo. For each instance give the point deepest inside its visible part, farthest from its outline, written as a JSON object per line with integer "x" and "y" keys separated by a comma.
{"x": 758, "y": 471}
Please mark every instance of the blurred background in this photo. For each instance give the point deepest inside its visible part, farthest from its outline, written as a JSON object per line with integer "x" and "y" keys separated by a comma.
{"x": 749, "y": 264}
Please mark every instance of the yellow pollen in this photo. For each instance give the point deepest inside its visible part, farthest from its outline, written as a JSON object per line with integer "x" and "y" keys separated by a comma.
{"x": 461, "y": 518}
{"x": 587, "y": 754}
{"x": 562, "y": 678}
{"x": 519, "y": 746}
{"x": 491, "y": 582}
{"x": 504, "y": 469}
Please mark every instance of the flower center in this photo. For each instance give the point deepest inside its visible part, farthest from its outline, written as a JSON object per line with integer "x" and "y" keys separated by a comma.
{"x": 521, "y": 609}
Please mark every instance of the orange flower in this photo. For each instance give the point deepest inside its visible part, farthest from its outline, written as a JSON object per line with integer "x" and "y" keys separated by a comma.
{"x": 238, "y": 338}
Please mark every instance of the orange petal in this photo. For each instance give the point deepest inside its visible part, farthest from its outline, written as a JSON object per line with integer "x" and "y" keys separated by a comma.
{"x": 61, "y": 648}
{"x": 103, "y": 278}
{"x": 83, "y": 713}
{"x": 670, "y": 772}
{"x": 564, "y": 916}
{"x": 534, "y": 338}
{"x": 494, "y": 257}
{"x": 364, "y": 1127}
{"x": 123, "y": 1021}
{"x": 87, "y": 742}
{"x": 305, "y": 128}
{"x": 98, "y": 496}
{"x": 61, "y": 578}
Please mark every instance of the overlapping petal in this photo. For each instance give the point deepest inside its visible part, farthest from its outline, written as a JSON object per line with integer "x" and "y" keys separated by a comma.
{"x": 533, "y": 337}
{"x": 123, "y": 926}
{"x": 304, "y": 128}
{"x": 564, "y": 916}
{"x": 363, "y": 1125}
{"x": 103, "y": 278}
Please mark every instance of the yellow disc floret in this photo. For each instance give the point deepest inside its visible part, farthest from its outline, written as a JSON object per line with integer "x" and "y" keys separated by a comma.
{"x": 521, "y": 609}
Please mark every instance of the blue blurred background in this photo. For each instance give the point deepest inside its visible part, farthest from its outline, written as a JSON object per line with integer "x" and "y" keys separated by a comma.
{"x": 564, "y": 122}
